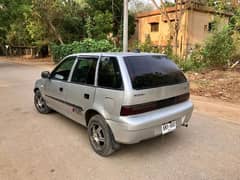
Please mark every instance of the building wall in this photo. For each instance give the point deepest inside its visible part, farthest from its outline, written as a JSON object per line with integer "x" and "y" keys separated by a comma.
{"x": 198, "y": 26}
{"x": 193, "y": 29}
{"x": 161, "y": 37}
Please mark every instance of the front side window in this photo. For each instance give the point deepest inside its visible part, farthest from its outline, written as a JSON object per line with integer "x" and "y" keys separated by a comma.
{"x": 84, "y": 72}
{"x": 153, "y": 71}
{"x": 63, "y": 70}
{"x": 109, "y": 75}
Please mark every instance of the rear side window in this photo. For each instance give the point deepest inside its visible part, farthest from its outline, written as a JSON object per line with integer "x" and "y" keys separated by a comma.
{"x": 153, "y": 71}
{"x": 84, "y": 72}
{"x": 109, "y": 75}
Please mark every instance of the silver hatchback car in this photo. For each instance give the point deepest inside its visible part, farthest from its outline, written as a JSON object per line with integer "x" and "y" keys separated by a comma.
{"x": 119, "y": 97}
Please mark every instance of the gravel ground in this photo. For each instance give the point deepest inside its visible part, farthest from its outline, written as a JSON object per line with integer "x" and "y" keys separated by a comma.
{"x": 36, "y": 146}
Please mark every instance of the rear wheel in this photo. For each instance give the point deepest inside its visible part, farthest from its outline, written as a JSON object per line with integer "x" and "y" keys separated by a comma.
{"x": 100, "y": 136}
{"x": 40, "y": 103}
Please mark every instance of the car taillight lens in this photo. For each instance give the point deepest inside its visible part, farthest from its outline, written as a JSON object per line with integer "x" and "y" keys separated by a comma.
{"x": 137, "y": 109}
{"x": 142, "y": 108}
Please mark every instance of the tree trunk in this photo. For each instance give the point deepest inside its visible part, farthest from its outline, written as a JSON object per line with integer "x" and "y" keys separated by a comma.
{"x": 176, "y": 41}
{"x": 58, "y": 36}
{"x": 176, "y": 27}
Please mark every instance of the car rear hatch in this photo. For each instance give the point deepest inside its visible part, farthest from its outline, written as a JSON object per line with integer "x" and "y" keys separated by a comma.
{"x": 156, "y": 82}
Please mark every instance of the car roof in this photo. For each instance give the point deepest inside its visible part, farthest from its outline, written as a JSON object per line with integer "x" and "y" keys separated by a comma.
{"x": 116, "y": 54}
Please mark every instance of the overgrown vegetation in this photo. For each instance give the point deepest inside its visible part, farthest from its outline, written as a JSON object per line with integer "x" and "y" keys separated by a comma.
{"x": 37, "y": 22}
{"x": 87, "y": 45}
{"x": 73, "y": 26}
{"x": 217, "y": 50}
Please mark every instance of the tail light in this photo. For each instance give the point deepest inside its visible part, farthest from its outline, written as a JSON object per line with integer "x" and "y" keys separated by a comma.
{"x": 137, "y": 109}
{"x": 146, "y": 107}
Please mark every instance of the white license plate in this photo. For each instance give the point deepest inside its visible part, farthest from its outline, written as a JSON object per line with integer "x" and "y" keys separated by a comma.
{"x": 169, "y": 127}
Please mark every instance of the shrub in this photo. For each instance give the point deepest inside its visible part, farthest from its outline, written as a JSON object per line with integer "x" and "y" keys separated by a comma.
{"x": 87, "y": 45}
{"x": 193, "y": 62}
{"x": 169, "y": 50}
{"x": 147, "y": 46}
{"x": 217, "y": 50}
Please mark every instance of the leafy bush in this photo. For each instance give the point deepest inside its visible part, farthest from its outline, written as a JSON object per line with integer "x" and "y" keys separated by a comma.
{"x": 217, "y": 50}
{"x": 147, "y": 46}
{"x": 186, "y": 64}
{"x": 169, "y": 50}
{"x": 87, "y": 45}
{"x": 236, "y": 41}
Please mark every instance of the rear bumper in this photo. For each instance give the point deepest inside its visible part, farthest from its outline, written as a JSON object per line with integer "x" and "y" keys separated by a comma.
{"x": 133, "y": 129}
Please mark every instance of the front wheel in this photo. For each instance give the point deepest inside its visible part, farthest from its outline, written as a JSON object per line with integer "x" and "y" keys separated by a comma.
{"x": 40, "y": 103}
{"x": 100, "y": 136}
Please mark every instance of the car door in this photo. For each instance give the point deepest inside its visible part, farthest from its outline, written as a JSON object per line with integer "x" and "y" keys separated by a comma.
{"x": 80, "y": 92}
{"x": 110, "y": 87}
{"x": 55, "y": 86}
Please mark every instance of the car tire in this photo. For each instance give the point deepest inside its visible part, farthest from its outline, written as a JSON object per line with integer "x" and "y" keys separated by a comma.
{"x": 101, "y": 137}
{"x": 40, "y": 103}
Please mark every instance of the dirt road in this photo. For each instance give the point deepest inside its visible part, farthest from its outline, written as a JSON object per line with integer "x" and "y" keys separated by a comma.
{"x": 35, "y": 146}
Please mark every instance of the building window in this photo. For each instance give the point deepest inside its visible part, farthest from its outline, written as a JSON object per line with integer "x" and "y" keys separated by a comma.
{"x": 211, "y": 26}
{"x": 154, "y": 27}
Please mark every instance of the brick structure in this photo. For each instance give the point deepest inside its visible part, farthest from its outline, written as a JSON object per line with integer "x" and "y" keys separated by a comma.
{"x": 196, "y": 24}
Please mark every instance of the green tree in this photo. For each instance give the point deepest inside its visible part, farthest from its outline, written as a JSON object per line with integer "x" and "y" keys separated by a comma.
{"x": 64, "y": 18}
{"x": 12, "y": 25}
{"x": 217, "y": 50}
{"x": 100, "y": 25}
{"x": 224, "y": 5}
{"x": 115, "y": 7}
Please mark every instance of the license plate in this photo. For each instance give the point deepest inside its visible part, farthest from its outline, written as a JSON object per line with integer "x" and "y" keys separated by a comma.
{"x": 169, "y": 127}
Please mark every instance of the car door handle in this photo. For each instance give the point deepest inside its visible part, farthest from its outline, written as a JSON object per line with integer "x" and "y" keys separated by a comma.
{"x": 86, "y": 96}
{"x": 61, "y": 89}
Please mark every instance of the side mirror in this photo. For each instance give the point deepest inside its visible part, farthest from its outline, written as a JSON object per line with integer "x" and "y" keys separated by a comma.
{"x": 45, "y": 75}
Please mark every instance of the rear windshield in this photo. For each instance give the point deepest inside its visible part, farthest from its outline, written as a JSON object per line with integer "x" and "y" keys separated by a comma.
{"x": 153, "y": 71}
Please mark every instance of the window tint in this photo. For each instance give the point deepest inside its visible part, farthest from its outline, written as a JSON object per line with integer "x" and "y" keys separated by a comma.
{"x": 109, "y": 75}
{"x": 84, "y": 72}
{"x": 153, "y": 71}
{"x": 63, "y": 70}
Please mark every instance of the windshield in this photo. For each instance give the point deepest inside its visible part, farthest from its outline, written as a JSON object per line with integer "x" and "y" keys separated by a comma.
{"x": 152, "y": 71}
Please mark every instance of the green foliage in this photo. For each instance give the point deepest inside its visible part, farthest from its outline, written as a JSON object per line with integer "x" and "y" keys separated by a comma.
{"x": 116, "y": 9}
{"x": 12, "y": 26}
{"x": 147, "y": 46}
{"x": 235, "y": 21}
{"x": 218, "y": 48}
{"x": 100, "y": 25}
{"x": 31, "y": 22}
{"x": 60, "y": 20}
{"x": 86, "y": 45}
{"x": 220, "y": 5}
{"x": 169, "y": 50}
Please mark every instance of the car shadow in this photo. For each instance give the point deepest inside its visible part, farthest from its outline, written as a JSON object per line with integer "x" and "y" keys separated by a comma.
{"x": 150, "y": 146}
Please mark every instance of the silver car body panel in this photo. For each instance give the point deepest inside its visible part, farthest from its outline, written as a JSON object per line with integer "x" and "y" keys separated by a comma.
{"x": 133, "y": 129}
{"x": 108, "y": 102}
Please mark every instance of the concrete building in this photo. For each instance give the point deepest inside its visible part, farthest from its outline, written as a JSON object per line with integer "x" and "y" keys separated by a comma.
{"x": 196, "y": 23}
